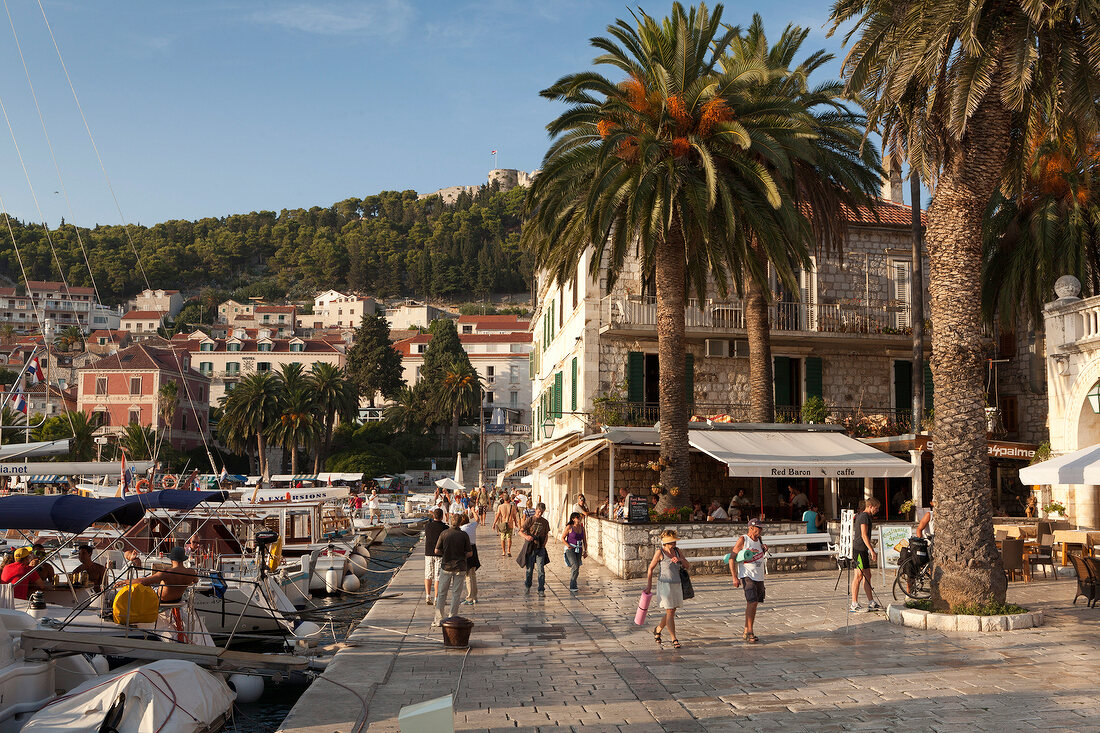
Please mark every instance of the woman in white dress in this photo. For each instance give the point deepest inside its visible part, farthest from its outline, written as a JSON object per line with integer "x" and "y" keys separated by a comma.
{"x": 670, "y": 592}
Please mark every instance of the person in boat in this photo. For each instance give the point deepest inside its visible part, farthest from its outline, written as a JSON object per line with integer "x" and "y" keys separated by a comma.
{"x": 133, "y": 559}
{"x": 43, "y": 568}
{"x": 170, "y": 584}
{"x": 96, "y": 572}
{"x": 22, "y": 575}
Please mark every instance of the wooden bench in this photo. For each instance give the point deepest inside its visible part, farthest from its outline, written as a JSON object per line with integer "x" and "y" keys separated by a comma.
{"x": 772, "y": 541}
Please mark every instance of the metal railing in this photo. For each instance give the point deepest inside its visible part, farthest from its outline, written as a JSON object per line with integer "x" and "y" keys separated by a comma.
{"x": 862, "y": 422}
{"x": 886, "y": 317}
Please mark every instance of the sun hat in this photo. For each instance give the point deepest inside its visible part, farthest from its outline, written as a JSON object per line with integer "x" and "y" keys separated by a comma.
{"x": 22, "y": 553}
{"x": 754, "y": 522}
{"x": 669, "y": 535}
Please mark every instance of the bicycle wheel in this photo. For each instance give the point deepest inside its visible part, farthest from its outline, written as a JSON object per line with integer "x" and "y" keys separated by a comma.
{"x": 902, "y": 581}
{"x": 921, "y": 587}
{"x": 915, "y": 583}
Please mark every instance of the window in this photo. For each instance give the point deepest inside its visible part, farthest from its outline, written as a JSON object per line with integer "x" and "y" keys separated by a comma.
{"x": 183, "y": 420}
{"x": 233, "y": 347}
{"x": 1010, "y": 417}
{"x": 488, "y": 398}
{"x": 102, "y": 418}
{"x": 206, "y": 368}
{"x": 496, "y": 456}
{"x": 421, "y": 348}
{"x": 490, "y": 371}
{"x": 101, "y": 385}
{"x": 297, "y": 347}
{"x": 263, "y": 366}
{"x": 282, "y": 318}
{"x": 513, "y": 373}
{"x": 263, "y": 347}
{"x": 233, "y": 367}
{"x": 1006, "y": 344}
{"x": 513, "y": 399}
{"x": 573, "y": 289}
{"x": 266, "y": 318}
{"x": 467, "y": 329}
{"x": 135, "y": 415}
{"x": 135, "y": 385}
{"x": 230, "y": 386}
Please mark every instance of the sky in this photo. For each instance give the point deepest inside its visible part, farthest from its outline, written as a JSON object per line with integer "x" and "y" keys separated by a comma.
{"x": 207, "y": 108}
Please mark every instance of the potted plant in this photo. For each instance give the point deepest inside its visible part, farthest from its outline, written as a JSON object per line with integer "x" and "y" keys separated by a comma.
{"x": 814, "y": 411}
{"x": 1055, "y": 510}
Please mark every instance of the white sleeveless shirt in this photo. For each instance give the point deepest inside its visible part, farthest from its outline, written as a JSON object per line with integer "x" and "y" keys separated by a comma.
{"x": 753, "y": 570}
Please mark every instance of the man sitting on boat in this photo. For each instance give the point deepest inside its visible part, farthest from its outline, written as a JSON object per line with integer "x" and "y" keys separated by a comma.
{"x": 171, "y": 583}
{"x": 22, "y": 575}
{"x": 96, "y": 572}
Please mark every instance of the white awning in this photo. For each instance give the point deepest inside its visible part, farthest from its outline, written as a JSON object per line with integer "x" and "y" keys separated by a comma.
{"x": 796, "y": 454}
{"x": 575, "y": 456}
{"x": 1079, "y": 467}
{"x": 536, "y": 454}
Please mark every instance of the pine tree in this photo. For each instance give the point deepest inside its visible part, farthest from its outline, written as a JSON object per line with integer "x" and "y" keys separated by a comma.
{"x": 373, "y": 364}
{"x": 444, "y": 348}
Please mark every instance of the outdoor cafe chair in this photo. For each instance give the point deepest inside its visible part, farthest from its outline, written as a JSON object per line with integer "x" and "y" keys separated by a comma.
{"x": 1086, "y": 581}
{"x": 1012, "y": 555}
{"x": 1044, "y": 555}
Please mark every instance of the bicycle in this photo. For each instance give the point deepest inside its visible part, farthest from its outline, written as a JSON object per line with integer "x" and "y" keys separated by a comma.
{"x": 914, "y": 576}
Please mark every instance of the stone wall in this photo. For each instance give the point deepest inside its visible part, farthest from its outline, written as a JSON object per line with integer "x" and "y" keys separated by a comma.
{"x": 627, "y": 549}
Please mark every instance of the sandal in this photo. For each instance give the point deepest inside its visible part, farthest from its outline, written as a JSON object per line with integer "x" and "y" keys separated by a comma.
{"x": 744, "y": 634}
{"x": 675, "y": 643}
{"x": 750, "y": 637}
{"x": 657, "y": 634}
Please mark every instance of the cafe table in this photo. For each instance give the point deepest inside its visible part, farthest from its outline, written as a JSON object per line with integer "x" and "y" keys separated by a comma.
{"x": 1085, "y": 538}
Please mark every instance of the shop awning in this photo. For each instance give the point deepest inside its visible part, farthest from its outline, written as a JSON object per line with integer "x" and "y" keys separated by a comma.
{"x": 536, "y": 454}
{"x": 796, "y": 454}
{"x": 1079, "y": 467}
{"x": 575, "y": 456}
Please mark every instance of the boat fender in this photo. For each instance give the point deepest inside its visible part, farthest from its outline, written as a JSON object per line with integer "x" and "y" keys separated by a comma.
{"x": 308, "y": 632}
{"x": 358, "y": 564}
{"x": 351, "y": 584}
{"x": 332, "y": 580}
{"x": 249, "y": 687}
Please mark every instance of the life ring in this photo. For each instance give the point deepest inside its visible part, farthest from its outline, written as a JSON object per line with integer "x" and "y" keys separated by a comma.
{"x": 169, "y": 481}
{"x": 143, "y": 485}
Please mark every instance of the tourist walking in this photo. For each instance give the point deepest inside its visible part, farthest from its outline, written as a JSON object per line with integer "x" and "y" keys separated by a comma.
{"x": 576, "y": 547}
{"x": 454, "y": 552}
{"x": 863, "y": 553}
{"x": 505, "y": 521}
{"x": 375, "y": 507}
{"x": 747, "y": 568}
{"x": 535, "y": 532}
{"x": 432, "y": 530}
{"x": 469, "y": 525}
{"x": 670, "y": 589}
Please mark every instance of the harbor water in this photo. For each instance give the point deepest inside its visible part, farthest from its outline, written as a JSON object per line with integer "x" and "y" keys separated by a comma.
{"x": 266, "y": 714}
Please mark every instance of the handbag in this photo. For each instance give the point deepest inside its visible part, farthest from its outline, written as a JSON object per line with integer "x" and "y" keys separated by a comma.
{"x": 685, "y": 583}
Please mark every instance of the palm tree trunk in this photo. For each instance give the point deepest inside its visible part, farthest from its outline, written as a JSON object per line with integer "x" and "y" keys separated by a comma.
{"x": 671, "y": 357}
{"x": 261, "y": 448}
{"x": 293, "y": 458}
{"x": 758, "y": 333}
{"x": 968, "y": 568}
{"x": 326, "y": 445}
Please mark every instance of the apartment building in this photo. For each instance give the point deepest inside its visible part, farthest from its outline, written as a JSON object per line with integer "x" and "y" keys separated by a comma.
{"x": 413, "y": 314}
{"x": 142, "y": 325}
{"x": 226, "y": 360}
{"x": 281, "y": 320}
{"x": 166, "y": 301}
{"x": 123, "y": 388}
{"x": 46, "y": 302}
{"x": 335, "y": 310}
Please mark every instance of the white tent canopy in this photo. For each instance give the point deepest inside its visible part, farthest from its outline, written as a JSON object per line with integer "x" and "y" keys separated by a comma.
{"x": 796, "y": 454}
{"x": 1081, "y": 467}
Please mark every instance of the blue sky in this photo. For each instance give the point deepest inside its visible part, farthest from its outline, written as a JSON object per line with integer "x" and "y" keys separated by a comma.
{"x": 203, "y": 108}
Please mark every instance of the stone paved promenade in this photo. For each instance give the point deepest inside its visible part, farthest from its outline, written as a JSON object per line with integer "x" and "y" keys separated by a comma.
{"x": 561, "y": 663}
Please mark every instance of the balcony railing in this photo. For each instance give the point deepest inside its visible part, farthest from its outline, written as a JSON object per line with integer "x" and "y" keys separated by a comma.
{"x": 848, "y": 317}
{"x": 861, "y": 422}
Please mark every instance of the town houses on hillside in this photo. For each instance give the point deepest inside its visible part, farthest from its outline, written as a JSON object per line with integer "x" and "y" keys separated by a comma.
{"x": 55, "y": 304}
{"x": 123, "y": 388}
{"x": 333, "y": 309}
{"x": 165, "y": 301}
{"x": 249, "y": 351}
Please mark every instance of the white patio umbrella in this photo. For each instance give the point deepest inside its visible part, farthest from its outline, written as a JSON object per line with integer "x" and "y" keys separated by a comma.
{"x": 458, "y": 472}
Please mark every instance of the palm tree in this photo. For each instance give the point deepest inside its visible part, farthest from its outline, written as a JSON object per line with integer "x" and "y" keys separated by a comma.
{"x": 250, "y": 410}
{"x": 458, "y": 393}
{"x": 296, "y": 423}
{"x": 7, "y": 334}
{"x": 825, "y": 172}
{"x": 11, "y": 418}
{"x": 957, "y": 88}
{"x": 168, "y": 401}
{"x": 138, "y": 441}
{"x": 82, "y": 429}
{"x": 1051, "y": 229}
{"x": 641, "y": 161}
{"x": 69, "y": 338}
{"x": 335, "y": 396}
{"x": 407, "y": 414}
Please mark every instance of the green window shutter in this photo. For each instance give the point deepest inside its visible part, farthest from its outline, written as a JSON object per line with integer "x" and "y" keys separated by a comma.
{"x": 928, "y": 387}
{"x": 531, "y": 371}
{"x": 903, "y": 385}
{"x": 557, "y": 394}
{"x": 573, "y": 385}
{"x": 635, "y": 377}
{"x": 782, "y": 377}
{"x": 689, "y": 377}
{"x": 813, "y": 376}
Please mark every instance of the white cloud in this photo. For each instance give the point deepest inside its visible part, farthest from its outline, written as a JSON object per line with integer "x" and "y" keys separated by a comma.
{"x": 377, "y": 18}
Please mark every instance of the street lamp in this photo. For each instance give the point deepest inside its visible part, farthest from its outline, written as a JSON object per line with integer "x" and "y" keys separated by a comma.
{"x": 510, "y": 449}
{"x": 1094, "y": 398}
{"x": 548, "y": 428}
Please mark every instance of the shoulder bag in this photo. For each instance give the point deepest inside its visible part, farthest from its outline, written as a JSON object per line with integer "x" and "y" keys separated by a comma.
{"x": 685, "y": 580}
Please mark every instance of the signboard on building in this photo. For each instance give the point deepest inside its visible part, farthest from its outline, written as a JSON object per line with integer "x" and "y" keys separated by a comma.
{"x": 637, "y": 508}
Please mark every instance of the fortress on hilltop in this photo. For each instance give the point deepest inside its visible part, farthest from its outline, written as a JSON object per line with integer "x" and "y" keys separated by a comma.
{"x": 506, "y": 178}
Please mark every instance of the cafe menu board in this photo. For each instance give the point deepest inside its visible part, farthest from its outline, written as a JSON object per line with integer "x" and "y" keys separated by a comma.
{"x": 637, "y": 508}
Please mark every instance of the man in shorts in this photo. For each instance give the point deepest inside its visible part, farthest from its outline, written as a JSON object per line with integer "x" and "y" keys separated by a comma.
{"x": 863, "y": 554}
{"x": 747, "y": 568}
{"x": 432, "y": 530}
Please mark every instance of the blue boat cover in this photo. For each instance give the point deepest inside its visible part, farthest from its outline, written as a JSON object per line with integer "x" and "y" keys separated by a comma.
{"x": 67, "y": 512}
{"x": 176, "y": 498}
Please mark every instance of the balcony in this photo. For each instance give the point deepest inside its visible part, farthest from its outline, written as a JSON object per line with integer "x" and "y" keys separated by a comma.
{"x": 633, "y": 314}
{"x": 860, "y": 422}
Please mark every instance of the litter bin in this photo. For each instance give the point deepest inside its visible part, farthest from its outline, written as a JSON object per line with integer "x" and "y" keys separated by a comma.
{"x": 456, "y": 631}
